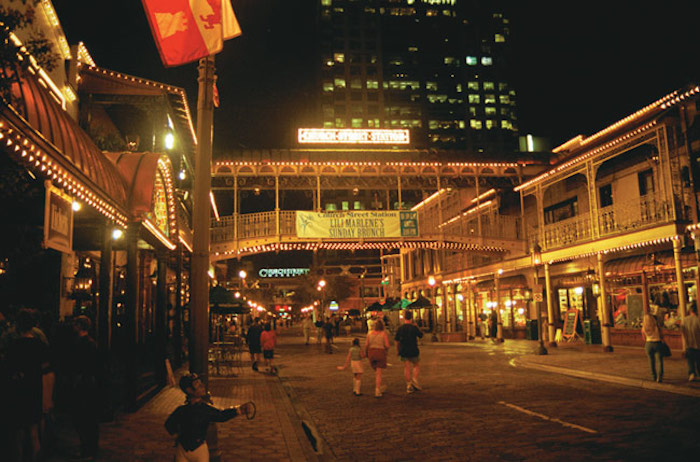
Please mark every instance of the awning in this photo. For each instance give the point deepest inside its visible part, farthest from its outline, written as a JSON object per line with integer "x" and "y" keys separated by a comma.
{"x": 658, "y": 261}
{"x": 44, "y": 137}
{"x": 507, "y": 283}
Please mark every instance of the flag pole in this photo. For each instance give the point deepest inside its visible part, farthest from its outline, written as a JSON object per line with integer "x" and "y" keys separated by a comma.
{"x": 199, "y": 300}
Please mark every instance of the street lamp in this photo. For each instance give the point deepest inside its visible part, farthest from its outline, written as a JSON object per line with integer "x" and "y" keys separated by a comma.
{"x": 322, "y": 288}
{"x": 537, "y": 260}
{"x": 431, "y": 283}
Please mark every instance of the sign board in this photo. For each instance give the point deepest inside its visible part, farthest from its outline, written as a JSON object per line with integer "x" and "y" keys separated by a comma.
{"x": 570, "y": 320}
{"x": 352, "y": 136}
{"x": 359, "y": 224}
{"x": 333, "y": 306}
{"x": 282, "y": 272}
{"x": 58, "y": 220}
{"x": 537, "y": 296}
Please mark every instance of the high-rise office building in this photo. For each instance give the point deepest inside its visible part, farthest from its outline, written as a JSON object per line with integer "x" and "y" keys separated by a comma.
{"x": 437, "y": 67}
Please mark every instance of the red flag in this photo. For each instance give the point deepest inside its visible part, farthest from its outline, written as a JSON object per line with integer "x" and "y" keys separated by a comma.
{"x": 186, "y": 30}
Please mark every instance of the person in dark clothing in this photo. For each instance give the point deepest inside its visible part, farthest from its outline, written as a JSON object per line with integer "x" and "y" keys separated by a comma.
{"x": 253, "y": 339}
{"x": 328, "y": 329}
{"x": 26, "y": 365}
{"x": 191, "y": 420}
{"x": 407, "y": 347}
{"x": 493, "y": 324}
{"x": 85, "y": 393}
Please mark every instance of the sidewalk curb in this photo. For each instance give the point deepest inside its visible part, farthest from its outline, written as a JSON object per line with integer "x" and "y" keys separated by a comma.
{"x": 301, "y": 416}
{"x": 645, "y": 384}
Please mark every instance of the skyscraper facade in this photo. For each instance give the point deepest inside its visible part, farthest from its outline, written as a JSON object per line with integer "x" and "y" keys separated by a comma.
{"x": 436, "y": 67}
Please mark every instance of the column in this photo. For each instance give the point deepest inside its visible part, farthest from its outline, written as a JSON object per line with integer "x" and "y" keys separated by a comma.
{"x": 398, "y": 181}
{"x": 277, "y": 206}
{"x": 550, "y": 307}
{"x": 318, "y": 193}
{"x": 104, "y": 315}
{"x": 499, "y": 326}
{"x": 679, "y": 281}
{"x": 603, "y": 300}
{"x": 130, "y": 309}
{"x": 177, "y": 322}
{"x": 161, "y": 324}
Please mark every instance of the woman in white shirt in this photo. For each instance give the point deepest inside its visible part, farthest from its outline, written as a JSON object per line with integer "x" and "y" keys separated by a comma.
{"x": 653, "y": 344}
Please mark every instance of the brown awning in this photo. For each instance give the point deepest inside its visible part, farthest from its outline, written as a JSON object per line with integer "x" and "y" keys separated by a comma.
{"x": 659, "y": 261}
{"x": 37, "y": 123}
{"x": 507, "y": 283}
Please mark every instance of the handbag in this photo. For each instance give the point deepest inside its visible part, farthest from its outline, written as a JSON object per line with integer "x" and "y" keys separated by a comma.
{"x": 665, "y": 350}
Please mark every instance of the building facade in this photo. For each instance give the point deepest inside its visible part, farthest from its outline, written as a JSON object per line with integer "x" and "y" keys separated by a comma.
{"x": 436, "y": 67}
{"x": 608, "y": 231}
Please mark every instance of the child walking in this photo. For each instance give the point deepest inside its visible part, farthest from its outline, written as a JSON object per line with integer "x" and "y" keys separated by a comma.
{"x": 354, "y": 358}
{"x": 268, "y": 340}
{"x": 190, "y": 421}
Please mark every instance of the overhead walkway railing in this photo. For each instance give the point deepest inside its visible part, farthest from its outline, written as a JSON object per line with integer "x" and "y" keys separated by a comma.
{"x": 245, "y": 234}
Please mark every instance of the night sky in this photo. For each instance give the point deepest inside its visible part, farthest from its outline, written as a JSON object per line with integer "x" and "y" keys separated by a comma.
{"x": 577, "y": 66}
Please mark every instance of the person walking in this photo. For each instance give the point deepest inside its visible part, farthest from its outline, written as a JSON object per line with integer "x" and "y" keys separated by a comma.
{"x": 354, "y": 358}
{"x": 493, "y": 324}
{"x": 306, "y": 325}
{"x": 319, "y": 329}
{"x": 191, "y": 420}
{"x": 85, "y": 393}
{"x": 328, "y": 329}
{"x": 407, "y": 348}
{"x": 376, "y": 346}
{"x": 268, "y": 340}
{"x": 653, "y": 344}
{"x": 690, "y": 328}
{"x": 253, "y": 339}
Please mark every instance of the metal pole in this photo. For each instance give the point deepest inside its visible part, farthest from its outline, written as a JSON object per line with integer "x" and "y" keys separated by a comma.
{"x": 607, "y": 342}
{"x": 541, "y": 350}
{"x": 499, "y": 325}
{"x": 550, "y": 307}
{"x": 680, "y": 283}
{"x": 199, "y": 302}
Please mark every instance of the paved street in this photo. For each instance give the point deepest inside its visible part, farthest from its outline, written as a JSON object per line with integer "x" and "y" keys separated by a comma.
{"x": 480, "y": 401}
{"x": 476, "y": 405}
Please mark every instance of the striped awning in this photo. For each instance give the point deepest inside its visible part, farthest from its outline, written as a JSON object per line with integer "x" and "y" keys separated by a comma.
{"x": 659, "y": 261}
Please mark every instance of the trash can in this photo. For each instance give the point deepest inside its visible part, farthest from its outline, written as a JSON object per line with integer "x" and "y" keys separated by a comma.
{"x": 531, "y": 329}
{"x": 591, "y": 332}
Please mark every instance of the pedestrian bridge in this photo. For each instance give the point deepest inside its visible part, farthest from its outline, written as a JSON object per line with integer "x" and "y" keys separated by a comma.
{"x": 247, "y": 234}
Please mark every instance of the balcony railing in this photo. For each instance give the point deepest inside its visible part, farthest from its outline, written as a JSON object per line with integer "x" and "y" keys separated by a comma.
{"x": 621, "y": 217}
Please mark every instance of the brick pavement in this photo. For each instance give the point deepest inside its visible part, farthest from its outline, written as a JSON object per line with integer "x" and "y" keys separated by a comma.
{"x": 274, "y": 435}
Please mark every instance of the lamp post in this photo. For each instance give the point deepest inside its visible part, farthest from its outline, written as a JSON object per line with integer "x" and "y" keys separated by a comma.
{"x": 434, "y": 337}
{"x": 322, "y": 288}
{"x": 537, "y": 260}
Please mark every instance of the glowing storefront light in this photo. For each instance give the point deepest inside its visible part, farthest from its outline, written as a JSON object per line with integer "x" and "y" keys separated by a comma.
{"x": 352, "y": 136}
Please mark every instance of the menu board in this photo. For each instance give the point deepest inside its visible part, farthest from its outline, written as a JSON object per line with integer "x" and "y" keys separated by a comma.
{"x": 570, "y": 321}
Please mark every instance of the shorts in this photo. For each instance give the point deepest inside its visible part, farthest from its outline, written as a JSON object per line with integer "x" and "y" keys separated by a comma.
{"x": 377, "y": 358}
{"x": 254, "y": 349}
{"x": 412, "y": 359}
{"x": 268, "y": 354}
{"x": 357, "y": 367}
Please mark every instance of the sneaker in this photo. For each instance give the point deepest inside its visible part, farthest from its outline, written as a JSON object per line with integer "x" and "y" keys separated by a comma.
{"x": 691, "y": 377}
{"x": 415, "y": 385}
{"x": 377, "y": 393}
{"x": 660, "y": 379}
{"x": 409, "y": 388}
{"x": 356, "y": 393}
{"x": 255, "y": 366}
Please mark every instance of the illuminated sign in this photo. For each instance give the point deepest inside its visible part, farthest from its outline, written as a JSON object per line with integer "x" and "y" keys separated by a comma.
{"x": 352, "y": 136}
{"x": 58, "y": 220}
{"x": 333, "y": 306}
{"x": 282, "y": 272}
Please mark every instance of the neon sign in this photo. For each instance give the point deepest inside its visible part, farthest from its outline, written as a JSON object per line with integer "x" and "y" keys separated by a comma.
{"x": 352, "y": 136}
{"x": 282, "y": 272}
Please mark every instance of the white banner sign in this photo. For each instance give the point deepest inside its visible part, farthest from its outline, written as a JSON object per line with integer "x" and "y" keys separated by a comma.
{"x": 360, "y": 224}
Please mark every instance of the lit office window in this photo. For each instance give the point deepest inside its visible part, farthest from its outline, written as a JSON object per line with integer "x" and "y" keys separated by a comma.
{"x": 339, "y": 57}
{"x": 331, "y": 207}
{"x": 431, "y": 86}
{"x": 356, "y": 123}
{"x": 326, "y": 2}
{"x": 372, "y": 85}
{"x": 486, "y": 61}
{"x": 504, "y": 99}
{"x": 506, "y": 124}
{"x": 474, "y": 99}
{"x": 345, "y": 205}
{"x": 459, "y": 88}
{"x": 473, "y": 86}
{"x": 489, "y": 86}
{"x": 339, "y": 123}
{"x": 490, "y": 111}
{"x": 328, "y": 86}
{"x": 489, "y": 99}
{"x": 340, "y": 83}
{"x": 475, "y": 124}
{"x": 357, "y": 205}
{"x": 471, "y": 60}
{"x": 489, "y": 124}
{"x": 499, "y": 38}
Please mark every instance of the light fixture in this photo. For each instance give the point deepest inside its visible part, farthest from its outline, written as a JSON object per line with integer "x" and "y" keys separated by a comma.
{"x": 117, "y": 234}
{"x": 182, "y": 175}
{"x": 76, "y": 206}
{"x": 169, "y": 140}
